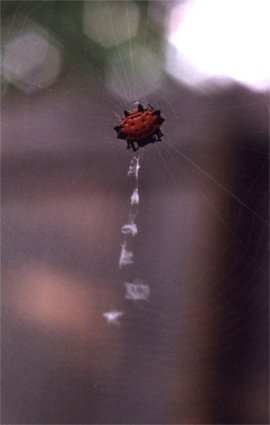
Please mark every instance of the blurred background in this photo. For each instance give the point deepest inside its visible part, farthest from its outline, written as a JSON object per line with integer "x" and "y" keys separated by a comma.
{"x": 197, "y": 352}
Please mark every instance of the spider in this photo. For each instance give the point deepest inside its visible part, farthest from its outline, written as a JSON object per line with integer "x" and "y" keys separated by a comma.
{"x": 140, "y": 126}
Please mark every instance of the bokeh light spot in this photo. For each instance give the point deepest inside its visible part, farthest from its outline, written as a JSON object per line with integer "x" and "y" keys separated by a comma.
{"x": 110, "y": 23}
{"x": 31, "y": 59}
{"x": 133, "y": 77}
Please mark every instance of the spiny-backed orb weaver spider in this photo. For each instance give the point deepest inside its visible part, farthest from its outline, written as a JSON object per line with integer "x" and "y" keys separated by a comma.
{"x": 141, "y": 126}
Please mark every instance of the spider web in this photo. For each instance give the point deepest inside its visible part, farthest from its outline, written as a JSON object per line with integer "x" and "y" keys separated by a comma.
{"x": 198, "y": 236}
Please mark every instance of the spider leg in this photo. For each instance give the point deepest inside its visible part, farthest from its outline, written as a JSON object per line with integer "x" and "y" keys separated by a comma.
{"x": 159, "y": 135}
{"x": 151, "y": 107}
{"x": 130, "y": 144}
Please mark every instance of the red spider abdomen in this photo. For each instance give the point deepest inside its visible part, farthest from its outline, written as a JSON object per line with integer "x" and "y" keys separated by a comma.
{"x": 138, "y": 125}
